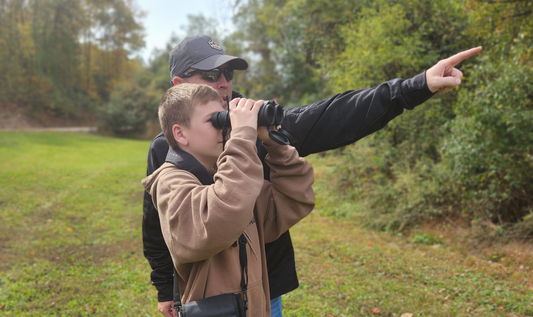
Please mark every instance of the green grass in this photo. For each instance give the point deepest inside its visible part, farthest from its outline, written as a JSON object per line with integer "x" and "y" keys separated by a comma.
{"x": 71, "y": 226}
{"x": 70, "y": 245}
{"x": 345, "y": 270}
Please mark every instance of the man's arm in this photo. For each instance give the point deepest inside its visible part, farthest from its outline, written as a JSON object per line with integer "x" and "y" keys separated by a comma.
{"x": 352, "y": 115}
{"x": 154, "y": 247}
{"x": 347, "y": 117}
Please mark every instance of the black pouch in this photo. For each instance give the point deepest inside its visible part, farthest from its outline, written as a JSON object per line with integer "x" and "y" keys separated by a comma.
{"x": 224, "y": 305}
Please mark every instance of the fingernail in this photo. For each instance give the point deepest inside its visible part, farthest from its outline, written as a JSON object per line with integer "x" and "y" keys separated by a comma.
{"x": 457, "y": 81}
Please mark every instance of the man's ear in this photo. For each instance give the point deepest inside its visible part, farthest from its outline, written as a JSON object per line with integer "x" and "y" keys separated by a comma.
{"x": 179, "y": 135}
{"x": 177, "y": 80}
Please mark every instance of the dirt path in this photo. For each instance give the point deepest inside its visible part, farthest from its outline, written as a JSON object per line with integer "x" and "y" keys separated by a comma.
{"x": 60, "y": 129}
{"x": 13, "y": 118}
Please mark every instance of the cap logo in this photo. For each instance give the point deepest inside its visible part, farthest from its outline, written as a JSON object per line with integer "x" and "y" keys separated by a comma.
{"x": 214, "y": 45}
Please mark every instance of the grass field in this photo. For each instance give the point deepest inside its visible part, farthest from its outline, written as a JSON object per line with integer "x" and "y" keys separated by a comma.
{"x": 70, "y": 245}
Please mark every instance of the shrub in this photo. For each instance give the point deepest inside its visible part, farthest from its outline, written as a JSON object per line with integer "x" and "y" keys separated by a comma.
{"x": 489, "y": 148}
{"x": 476, "y": 164}
{"x": 129, "y": 108}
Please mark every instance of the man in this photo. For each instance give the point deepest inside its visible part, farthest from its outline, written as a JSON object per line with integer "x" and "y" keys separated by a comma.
{"x": 325, "y": 125}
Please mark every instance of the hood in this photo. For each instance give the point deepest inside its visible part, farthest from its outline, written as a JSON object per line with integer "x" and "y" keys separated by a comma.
{"x": 150, "y": 182}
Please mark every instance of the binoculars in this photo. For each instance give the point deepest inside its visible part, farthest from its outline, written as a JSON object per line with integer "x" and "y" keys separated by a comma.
{"x": 270, "y": 114}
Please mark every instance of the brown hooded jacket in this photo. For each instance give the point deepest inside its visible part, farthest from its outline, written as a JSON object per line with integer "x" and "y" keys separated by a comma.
{"x": 200, "y": 223}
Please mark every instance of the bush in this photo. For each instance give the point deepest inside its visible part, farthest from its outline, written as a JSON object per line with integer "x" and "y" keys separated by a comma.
{"x": 476, "y": 163}
{"x": 489, "y": 149}
{"x": 129, "y": 109}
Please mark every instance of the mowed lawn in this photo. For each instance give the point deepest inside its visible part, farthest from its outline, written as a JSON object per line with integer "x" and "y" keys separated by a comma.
{"x": 70, "y": 245}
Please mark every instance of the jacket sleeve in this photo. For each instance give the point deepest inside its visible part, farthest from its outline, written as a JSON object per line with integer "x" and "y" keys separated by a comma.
{"x": 289, "y": 195}
{"x": 154, "y": 247}
{"x": 352, "y": 115}
{"x": 199, "y": 221}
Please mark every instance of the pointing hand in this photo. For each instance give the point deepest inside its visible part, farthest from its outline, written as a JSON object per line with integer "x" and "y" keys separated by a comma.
{"x": 444, "y": 76}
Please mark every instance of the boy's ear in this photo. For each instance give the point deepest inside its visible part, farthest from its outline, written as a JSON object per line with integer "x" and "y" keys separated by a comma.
{"x": 177, "y": 80}
{"x": 179, "y": 135}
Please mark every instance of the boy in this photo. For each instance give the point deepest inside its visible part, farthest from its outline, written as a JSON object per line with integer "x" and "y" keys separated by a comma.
{"x": 200, "y": 223}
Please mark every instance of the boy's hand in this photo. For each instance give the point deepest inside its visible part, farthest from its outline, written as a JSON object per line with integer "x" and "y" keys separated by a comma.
{"x": 243, "y": 112}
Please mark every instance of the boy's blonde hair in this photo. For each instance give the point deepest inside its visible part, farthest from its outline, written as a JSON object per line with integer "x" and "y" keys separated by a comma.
{"x": 177, "y": 104}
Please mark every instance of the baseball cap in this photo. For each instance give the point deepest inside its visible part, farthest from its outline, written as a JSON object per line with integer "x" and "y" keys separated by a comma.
{"x": 201, "y": 52}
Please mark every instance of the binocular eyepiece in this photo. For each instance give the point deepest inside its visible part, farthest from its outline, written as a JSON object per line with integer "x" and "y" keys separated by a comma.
{"x": 269, "y": 114}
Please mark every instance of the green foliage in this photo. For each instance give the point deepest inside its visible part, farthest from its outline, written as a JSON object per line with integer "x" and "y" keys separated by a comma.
{"x": 321, "y": 48}
{"x": 489, "y": 148}
{"x": 385, "y": 196}
{"x": 425, "y": 238}
{"x": 134, "y": 103}
{"x": 155, "y": 76}
{"x": 392, "y": 39}
{"x": 478, "y": 165}
{"x": 398, "y": 40}
{"x": 129, "y": 108}
{"x": 462, "y": 154}
{"x": 499, "y": 25}
{"x": 289, "y": 42}
{"x": 61, "y": 57}
{"x": 378, "y": 46}
{"x": 307, "y": 49}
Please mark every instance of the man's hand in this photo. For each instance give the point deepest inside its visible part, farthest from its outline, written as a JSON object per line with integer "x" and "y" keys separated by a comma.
{"x": 444, "y": 76}
{"x": 262, "y": 133}
{"x": 167, "y": 308}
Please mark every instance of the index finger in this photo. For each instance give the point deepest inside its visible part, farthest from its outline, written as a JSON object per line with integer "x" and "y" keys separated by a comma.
{"x": 259, "y": 103}
{"x": 459, "y": 57}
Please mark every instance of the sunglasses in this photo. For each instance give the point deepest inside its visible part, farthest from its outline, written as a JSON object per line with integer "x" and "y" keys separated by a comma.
{"x": 212, "y": 75}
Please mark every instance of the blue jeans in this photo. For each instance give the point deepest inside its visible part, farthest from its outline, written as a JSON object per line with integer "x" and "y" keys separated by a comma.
{"x": 275, "y": 307}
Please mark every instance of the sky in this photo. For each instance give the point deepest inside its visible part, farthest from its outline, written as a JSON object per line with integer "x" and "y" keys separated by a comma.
{"x": 164, "y": 17}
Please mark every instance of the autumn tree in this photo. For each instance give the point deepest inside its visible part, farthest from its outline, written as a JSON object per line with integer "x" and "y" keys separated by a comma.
{"x": 62, "y": 56}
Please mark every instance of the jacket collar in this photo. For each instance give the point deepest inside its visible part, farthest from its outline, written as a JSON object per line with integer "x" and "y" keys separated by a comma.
{"x": 187, "y": 162}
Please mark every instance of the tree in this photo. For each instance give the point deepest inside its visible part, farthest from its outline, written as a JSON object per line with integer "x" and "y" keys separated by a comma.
{"x": 61, "y": 56}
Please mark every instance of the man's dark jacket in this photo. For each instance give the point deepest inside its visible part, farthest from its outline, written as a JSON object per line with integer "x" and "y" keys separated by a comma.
{"x": 325, "y": 125}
